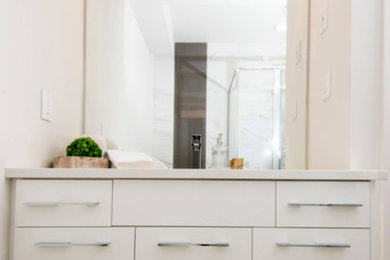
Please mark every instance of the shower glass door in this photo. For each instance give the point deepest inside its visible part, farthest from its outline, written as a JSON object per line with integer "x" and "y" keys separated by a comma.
{"x": 256, "y": 112}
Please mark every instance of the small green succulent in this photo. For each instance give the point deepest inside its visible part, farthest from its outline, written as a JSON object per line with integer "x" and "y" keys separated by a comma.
{"x": 84, "y": 146}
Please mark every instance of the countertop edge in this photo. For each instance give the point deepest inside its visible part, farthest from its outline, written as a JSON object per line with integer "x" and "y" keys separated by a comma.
{"x": 195, "y": 174}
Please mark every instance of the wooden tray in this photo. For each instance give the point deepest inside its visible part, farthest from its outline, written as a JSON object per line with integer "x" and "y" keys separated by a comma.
{"x": 80, "y": 162}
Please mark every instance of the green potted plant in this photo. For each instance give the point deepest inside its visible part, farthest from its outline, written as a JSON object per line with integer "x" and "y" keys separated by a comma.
{"x": 83, "y": 152}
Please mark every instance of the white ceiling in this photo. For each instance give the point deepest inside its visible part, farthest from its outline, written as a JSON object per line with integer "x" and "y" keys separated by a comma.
{"x": 218, "y": 21}
{"x": 224, "y": 2}
{"x": 240, "y": 22}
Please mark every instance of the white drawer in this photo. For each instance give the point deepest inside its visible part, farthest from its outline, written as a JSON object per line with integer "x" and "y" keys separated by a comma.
{"x": 74, "y": 244}
{"x": 63, "y": 203}
{"x": 193, "y": 243}
{"x": 323, "y": 204}
{"x": 193, "y": 203}
{"x": 309, "y": 244}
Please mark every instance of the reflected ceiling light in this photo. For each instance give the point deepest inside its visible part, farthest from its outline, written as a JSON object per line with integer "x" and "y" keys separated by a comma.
{"x": 281, "y": 27}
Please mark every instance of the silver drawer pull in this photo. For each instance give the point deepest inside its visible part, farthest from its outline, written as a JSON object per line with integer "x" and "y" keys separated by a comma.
{"x": 334, "y": 245}
{"x": 57, "y": 203}
{"x": 70, "y": 244}
{"x": 298, "y": 204}
{"x": 188, "y": 244}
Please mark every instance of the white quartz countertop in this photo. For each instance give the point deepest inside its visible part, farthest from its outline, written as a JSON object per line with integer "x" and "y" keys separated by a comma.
{"x": 195, "y": 174}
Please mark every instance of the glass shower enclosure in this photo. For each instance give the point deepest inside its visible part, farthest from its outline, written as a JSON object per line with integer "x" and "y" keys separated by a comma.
{"x": 256, "y": 100}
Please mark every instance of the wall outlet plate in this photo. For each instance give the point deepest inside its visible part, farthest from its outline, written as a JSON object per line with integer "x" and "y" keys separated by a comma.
{"x": 323, "y": 19}
{"x": 294, "y": 113}
{"x": 326, "y": 93}
{"x": 46, "y": 105}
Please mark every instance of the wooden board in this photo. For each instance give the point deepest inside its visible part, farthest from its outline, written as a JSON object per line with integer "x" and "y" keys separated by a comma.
{"x": 80, "y": 162}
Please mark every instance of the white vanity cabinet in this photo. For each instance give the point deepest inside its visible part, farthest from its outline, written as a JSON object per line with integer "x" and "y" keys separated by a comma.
{"x": 86, "y": 214}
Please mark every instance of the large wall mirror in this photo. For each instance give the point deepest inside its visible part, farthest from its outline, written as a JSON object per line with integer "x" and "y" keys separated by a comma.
{"x": 191, "y": 82}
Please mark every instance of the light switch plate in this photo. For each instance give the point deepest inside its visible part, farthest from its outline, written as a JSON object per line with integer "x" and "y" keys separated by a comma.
{"x": 324, "y": 19}
{"x": 46, "y": 105}
{"x": 298, "y": 53}
{"x": 326, "y": 93}
{"x": 294, "y": 114}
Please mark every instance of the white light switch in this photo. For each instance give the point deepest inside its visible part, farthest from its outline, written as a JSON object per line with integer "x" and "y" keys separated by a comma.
{"x": 323, "y": 19}
{"x": 294, "y": 113}
{"x": 298, "y": 53}
{"x": 326, "y": 93}
{"x": 46, "y": 105}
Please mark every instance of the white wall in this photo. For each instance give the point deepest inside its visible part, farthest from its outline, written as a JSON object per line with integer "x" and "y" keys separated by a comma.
{"x": 163, "y": 109}
{"x": 296, "y": 77}
{"x": 366, "y": 83}
{"x": 119, "y": 87}
{"x": 386, "y": 131}
{"x": 329, "y": 120}
{"x": 344, "y": 130}
{"x": 40, "y": 47}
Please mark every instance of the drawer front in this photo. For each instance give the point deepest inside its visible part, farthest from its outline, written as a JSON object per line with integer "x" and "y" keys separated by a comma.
{"x": 193, "y": 243}
{"x": 309, "y": 244}
{"x": 63, "y": 203}
{"x": 73, "y": 244}
{"x": 323, "y": 204}
{"x": 193, "y": 203}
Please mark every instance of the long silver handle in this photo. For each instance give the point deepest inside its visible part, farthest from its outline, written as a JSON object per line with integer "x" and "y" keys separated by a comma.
{"x": 58, "y": 203}
{"x": 188, "y": 244}
{"x": 70, "y": 244}
{"x": 298, "y": 204}
{"x": 337, "y": 245}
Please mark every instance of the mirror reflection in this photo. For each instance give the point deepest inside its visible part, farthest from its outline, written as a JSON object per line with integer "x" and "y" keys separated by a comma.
{"x": 195, "y": 84}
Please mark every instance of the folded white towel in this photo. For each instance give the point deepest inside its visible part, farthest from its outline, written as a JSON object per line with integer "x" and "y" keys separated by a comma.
{"x": 133, "y": 160}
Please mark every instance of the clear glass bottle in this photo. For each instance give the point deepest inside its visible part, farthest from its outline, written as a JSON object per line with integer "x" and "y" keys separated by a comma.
{"x": 219, "y": 154}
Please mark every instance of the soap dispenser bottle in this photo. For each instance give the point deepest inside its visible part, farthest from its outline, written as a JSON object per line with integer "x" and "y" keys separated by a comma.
{"x": 219, "y": 154}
